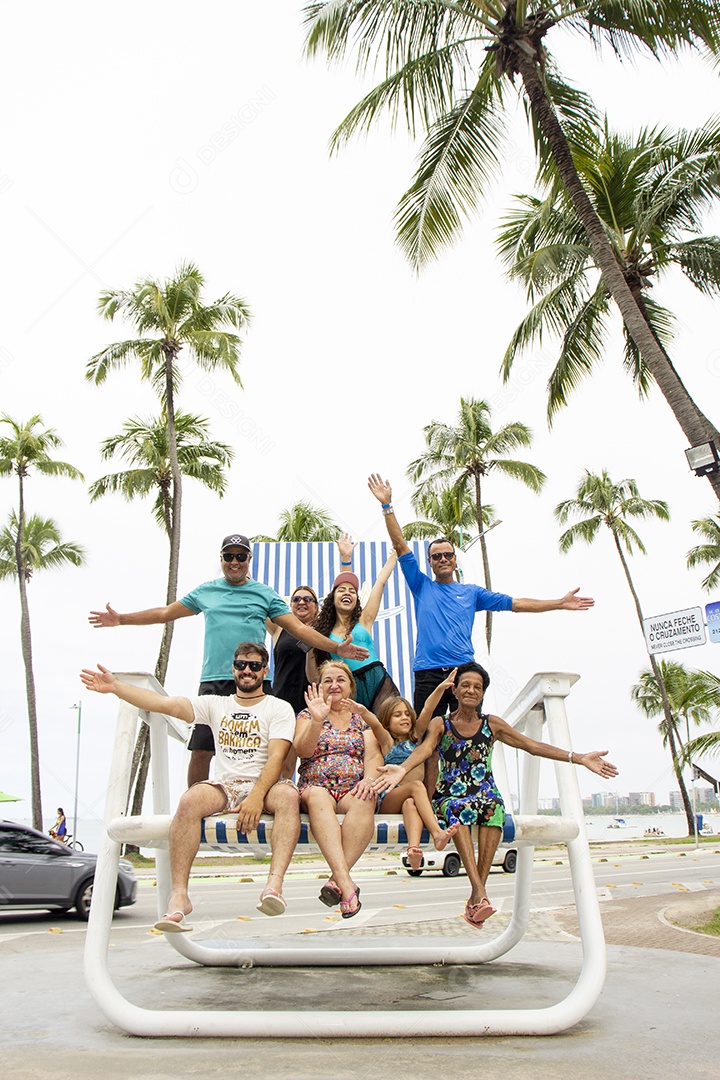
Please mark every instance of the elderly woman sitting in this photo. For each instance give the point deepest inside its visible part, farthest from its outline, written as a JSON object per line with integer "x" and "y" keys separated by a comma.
{"x": 340, "y": 759}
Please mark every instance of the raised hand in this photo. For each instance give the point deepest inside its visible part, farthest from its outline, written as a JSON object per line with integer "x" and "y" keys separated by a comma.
{"x": 346, "y": 547}
{"x": 355, "y": 707}
{"x": 108, "y": 617}
{"x": 449, "y": 683}
{"x": 318, "y": 708}
{"x": 101, "y": 681}
{"x": 380, "y": 488}
{"x": 572, "y": 602}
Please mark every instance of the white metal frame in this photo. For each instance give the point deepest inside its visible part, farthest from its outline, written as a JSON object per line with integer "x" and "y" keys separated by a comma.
{"x": 542, "y": 701}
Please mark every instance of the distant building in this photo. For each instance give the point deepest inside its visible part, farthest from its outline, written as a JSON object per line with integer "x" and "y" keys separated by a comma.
{"x": 641, "y": 798}
{"x": 549, "y": 804}
{"x": 676, "y": 800}
{"x": 601, "y": 799}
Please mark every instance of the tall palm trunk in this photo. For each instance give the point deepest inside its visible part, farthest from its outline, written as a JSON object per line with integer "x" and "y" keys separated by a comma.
{"x": 485, "y": 556}
{"x": 694, "y": 423}
{"x": 667, "y": 710}
{"x": 141, "y": 754}
{"x": 26, "y": 645}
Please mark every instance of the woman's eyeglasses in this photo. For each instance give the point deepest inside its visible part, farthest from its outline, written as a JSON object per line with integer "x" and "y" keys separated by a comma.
{"x": 302, "y": 599}
{"x": 228, "y": 556}
{"x": 254, "y": 665}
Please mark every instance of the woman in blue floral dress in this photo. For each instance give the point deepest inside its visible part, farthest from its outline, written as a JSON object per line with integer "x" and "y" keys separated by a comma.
{"x": 466, "y": 791}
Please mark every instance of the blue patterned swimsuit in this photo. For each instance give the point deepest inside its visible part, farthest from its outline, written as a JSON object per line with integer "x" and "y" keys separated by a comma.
{"x": 466, "y": 789}
{"x": 400, "y": 752}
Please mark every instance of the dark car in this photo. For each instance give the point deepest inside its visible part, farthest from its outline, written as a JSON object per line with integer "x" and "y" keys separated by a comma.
{"x": 38, "y": 872}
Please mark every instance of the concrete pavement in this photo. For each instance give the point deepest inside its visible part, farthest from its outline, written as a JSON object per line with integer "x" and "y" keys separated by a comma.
{"x": 657, "y": 1015}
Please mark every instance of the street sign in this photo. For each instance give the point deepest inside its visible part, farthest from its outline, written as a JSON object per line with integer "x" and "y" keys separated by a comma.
{"x": 676, "y": 630}
{"x": 712, "y": 613}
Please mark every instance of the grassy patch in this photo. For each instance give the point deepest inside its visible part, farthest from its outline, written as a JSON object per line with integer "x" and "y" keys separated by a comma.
{"x": 712, "y": 926}
{"x": 138, "y": 860}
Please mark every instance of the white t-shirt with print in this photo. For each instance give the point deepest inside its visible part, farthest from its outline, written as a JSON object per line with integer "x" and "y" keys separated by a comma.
{"x": 242, "y": 732}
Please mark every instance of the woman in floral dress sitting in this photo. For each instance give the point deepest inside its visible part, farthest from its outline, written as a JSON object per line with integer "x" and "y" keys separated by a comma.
{"x": 466, "y": 791}
{"x": 340, "y": 759}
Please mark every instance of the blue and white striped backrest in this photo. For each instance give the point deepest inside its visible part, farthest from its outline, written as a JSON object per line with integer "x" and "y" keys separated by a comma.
{"x": 284, "y": 566}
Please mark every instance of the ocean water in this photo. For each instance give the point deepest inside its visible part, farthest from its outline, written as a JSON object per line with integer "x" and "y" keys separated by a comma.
{"x": 599, "y": 828}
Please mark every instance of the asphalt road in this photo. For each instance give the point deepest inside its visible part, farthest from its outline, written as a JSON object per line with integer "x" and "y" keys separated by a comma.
{"x": 390, "y": 897}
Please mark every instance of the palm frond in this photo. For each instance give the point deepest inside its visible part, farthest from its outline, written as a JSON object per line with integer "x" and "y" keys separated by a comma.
{"x": 458, "y": 160}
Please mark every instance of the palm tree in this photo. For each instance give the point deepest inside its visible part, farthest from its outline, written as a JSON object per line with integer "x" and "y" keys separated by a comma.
{"x": 449, "y": 66}
{"x": 709, "y": 743}
{"x": 304, "y": 522}
{"x": 144, "y": 443}
{"x": 692, "y": 697}
{"x": 447, "y": 513}
{"x": 649, "y": 193}
{"x": 709, "y": 552}
{"x": 26, "y": 448}
{"x": 600, "y": 501}
{"x": 168, "y": 317}
{"x": 462, "y": 456}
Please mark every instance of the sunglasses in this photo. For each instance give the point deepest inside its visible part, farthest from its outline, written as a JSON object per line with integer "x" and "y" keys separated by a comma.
{"x": 228, "y": 556}
{"x": 438, "y": 555}
{"x": 303, "y": 600}
{"x": 254, "y": 665}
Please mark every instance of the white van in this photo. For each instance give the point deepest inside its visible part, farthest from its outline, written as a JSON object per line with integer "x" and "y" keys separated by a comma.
{"x": 449, "y": 864}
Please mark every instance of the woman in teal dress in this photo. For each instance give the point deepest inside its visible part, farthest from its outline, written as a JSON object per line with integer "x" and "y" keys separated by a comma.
{"x": 466, "y": 791}
{"x": 343, "y": 616}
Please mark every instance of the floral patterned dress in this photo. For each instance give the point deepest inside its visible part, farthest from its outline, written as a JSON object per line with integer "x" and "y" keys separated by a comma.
{"x": 338, "y": 761}
{"x": 466, "y": 789}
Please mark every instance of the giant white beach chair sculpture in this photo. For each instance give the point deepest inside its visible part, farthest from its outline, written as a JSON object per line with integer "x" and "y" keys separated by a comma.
{"x": 541, "y": 702}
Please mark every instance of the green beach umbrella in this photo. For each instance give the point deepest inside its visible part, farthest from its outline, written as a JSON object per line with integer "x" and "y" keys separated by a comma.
{"x": 10, "y": 798}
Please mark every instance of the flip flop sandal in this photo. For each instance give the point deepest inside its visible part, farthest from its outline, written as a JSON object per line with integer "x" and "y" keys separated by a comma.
{"x": 330, "y": 895}
{"x": 271, "y": 902}
{"x": 345, "y": 910}
{"x": 477, "y": 914}
{"x": 168, "y": 925}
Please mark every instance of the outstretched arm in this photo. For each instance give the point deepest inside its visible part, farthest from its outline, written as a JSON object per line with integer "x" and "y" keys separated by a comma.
{"x": 369, "y": 612}
{"x": 383, "y": 493}
{"x": 149, "y": 617}
{"x": 383, "y": 737}
{"x": 569, "y": 602}
{"x": 346, "y": 649}
{"x": 594, "y": 761}
{"x": 392, "y": 775}
{"x": 103, "y": 681}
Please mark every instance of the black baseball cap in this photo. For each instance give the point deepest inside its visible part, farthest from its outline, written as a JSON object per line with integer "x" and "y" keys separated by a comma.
{"x": 235, "y": 540}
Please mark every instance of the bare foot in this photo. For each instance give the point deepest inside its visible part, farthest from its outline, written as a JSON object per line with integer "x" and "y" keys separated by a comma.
{"x": 440, "y": 841}
{"x": 415, "y": 857}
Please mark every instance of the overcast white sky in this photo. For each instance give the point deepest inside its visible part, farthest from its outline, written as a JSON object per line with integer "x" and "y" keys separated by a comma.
{"x": 135, "y": 138}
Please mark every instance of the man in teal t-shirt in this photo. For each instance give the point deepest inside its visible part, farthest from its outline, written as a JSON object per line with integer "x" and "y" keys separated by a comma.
{"x": 236, "y": 609}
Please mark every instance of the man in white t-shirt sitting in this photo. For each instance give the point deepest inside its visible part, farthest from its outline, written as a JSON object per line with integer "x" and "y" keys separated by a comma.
{"x": 253, "y": 734}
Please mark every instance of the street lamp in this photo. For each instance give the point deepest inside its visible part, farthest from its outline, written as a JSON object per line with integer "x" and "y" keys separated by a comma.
{"x": 703, "y": 458}
{"x": 78, "y": 709}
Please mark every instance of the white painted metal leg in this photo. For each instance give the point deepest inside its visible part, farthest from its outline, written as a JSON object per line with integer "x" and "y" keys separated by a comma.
{"x": 550, "y": 689}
